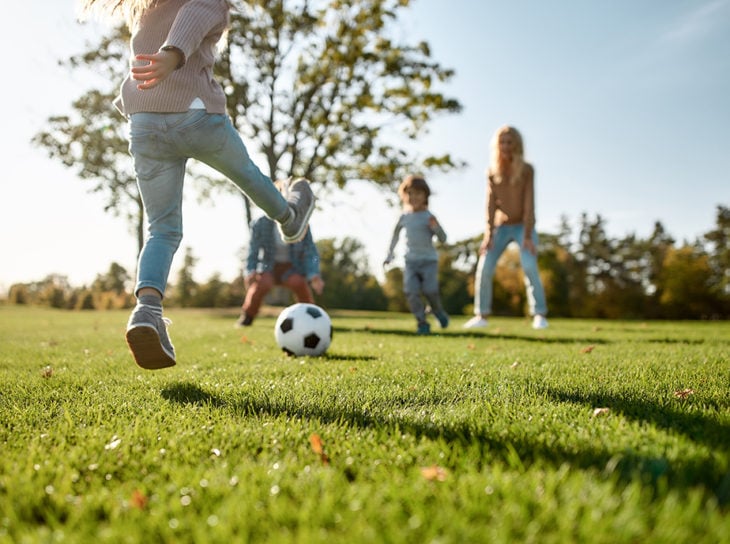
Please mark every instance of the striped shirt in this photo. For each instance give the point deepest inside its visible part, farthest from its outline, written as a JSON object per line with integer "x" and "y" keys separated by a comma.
{"x": 194, "y": 27}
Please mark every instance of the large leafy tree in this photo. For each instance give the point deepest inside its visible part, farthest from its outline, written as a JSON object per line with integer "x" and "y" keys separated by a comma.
{"x": 327, "y": 94}
{"x": 321, "y": 88}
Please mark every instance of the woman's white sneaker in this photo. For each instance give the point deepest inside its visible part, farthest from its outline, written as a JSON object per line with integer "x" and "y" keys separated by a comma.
{"x": 476, "y": 322}
{"x": 539, "y": 322}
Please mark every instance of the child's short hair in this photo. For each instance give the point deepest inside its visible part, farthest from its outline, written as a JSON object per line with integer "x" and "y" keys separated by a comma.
{"x": 414, "y": 182}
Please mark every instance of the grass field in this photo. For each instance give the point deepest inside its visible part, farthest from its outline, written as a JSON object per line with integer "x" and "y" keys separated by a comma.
{"x": 589, "y": 431}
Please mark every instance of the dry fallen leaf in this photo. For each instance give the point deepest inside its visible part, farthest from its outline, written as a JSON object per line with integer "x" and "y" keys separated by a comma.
{"x": 601, "y": 412}
{"x": 47, "y": 372}
{"x": 317, "y": 447}
{"x": 684, "y": 393}
{"x": 588, "y": 349}
{"x": 434, "y": 473}
{"x": 138, "y": 500}
{"x": 515, "y": 364}
{"x": 470, "y": 346}
{"x": 245, "y": 340}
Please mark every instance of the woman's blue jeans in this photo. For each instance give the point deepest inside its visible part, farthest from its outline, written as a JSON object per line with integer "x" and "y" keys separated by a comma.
{"x": 484, "y": 281}
{"x": 161, "y": 144}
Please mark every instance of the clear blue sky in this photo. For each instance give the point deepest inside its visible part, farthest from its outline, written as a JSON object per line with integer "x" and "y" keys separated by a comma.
{"x": 623, "y": 105}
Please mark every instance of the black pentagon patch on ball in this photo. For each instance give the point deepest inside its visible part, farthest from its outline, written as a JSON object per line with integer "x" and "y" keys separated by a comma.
{"x": 311, "y": 341}
{"x": 289, "y": 352}
{"x": 314, "y": 311}
{"x": 287, "y": 325}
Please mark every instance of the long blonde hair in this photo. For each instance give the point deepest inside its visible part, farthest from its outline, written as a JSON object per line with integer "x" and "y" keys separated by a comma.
{"x": 131, "y": 10}
{"x": 501, "y": 169}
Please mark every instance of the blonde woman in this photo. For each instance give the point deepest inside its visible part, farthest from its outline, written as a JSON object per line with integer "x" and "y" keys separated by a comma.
{"x": 510, "y": 218}
{"x": 177, "y": 111}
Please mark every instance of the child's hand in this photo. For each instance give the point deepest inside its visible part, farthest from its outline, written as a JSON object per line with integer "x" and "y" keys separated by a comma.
{"x": 158, "y": 67}
{"x": 485, "y": 246}
{"x": 317, "y": 284}
{"x": 529, "y": 245}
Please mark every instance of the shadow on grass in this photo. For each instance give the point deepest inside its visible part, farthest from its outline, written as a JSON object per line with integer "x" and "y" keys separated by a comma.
{"x": 448, "y": 333}
{"x": 520, "y": 452}
{"x": 341, "y": 357}
{"x": 190, "y": 393}
{"x": 695, "y": 426}
{"x": 685, "y": 341}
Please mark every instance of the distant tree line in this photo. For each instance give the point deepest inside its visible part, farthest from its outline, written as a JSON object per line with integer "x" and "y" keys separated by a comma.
{"x": 586, "y": 274}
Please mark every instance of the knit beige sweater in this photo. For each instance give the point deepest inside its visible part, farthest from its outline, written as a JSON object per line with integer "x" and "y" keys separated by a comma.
{"x": 193, "y": 26}
{"x": 511, "y": 203}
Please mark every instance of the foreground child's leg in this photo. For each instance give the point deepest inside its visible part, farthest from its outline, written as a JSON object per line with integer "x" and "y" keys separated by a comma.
{"x": 290, "y": 209}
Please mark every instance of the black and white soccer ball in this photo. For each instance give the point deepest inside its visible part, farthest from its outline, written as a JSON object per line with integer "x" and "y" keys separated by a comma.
{"x": 303, "y": 329}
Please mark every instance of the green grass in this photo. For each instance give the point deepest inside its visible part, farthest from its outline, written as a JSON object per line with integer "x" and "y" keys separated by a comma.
{"x": 486, "y": 436}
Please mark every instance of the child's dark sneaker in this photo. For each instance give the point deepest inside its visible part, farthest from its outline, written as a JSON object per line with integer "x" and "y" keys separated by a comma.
{"x": 244, "y": 321}
{"x": 423, "y": 329}
{"x": 443, "y": 319}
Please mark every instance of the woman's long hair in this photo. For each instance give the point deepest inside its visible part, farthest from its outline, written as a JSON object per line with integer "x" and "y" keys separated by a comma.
{"x": 501, "y": 168}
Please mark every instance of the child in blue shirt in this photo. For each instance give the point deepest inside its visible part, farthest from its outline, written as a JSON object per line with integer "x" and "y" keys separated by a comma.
{"x": 420, "y": 278}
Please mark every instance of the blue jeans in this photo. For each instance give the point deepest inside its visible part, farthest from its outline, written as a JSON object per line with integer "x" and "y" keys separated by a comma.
{"x": 503, "y": 235}
{"x": 421, "y": 278}
{"x": 161, "y": 144}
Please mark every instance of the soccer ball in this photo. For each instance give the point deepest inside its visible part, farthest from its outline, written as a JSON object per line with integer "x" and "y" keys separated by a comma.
{"x": 303, "y": 329}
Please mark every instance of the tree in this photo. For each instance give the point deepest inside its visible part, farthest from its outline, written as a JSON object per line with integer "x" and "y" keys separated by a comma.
{"x": 685, "y": 280}
{"x": 719, "y": 241}
{"x": 186, "y": 289}
{"x": 319, "y": 86}
{"x": 393, "y": 290}
{"x": 108, "y": 290}
{"x": 453, "y": 283}
{"x": 555, "y": 263}
{"x": 326, "y": 93}
{"x": 348, "y": 284}
{"x": 215, "y": 293}
{"x": 115, "y": 280}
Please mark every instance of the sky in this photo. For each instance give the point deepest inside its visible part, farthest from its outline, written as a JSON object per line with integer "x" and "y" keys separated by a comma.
{"x": 623, "y": 106}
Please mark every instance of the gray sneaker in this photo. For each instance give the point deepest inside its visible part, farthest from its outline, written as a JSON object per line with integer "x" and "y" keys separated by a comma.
{"x": 147, "y": 338}
{"x": 299, "y": 195}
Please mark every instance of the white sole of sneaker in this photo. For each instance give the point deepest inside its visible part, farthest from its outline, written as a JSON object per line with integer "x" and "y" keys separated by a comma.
{"x": 144, "y": 343}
